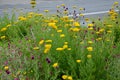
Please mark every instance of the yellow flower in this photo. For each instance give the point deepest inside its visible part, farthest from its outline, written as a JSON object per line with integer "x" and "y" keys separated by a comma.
{"x": 99, "y": 38}
{"x": 31, "y": 13}
{"x": 110, "y": 26}
{"x": 81, "y": 14}
{"x": 62, "y": 35}
{"x": 81, "y": 8}
{"x": 53, "y": 25}
{"x": 90, "y": 28}
{"x": 78, "y": 61}
{"x": 86, "y": 19}
{"x": 116, "y": 3}
{"x": 48, "y": 46}
{"x": 69, "y": 49}
{"x": 33, "y": 2}
{"x": 97, "y": 32}
{"x": 58, "y": 6}
{"x": 91, "y": 25}
{"x": 55, "y": 65}
{"x": 75, "y": 29}
{"x": 46, "y": 50}
{"x": 90, "y": 48}
{"x": 65, "y": 46}
{"x": 64, "y": 76}
{"x": 90, "y": 42}
{"x": 89, "y": 56}
{"x": 49, "y": 41}
{"x": 59, "y": 31}
{"x": 74, "y": 6}
{"x": 22, "y": 18}
{"x": 6, "y": 68}
{"x": 25, "y": 73}
{"x": 59, "y": 49}
{"x": 108, "y": 40}
{"x": 109, "y": 31}
{"x": 70, "y": 78}
{"x": 41, "y": 42}
{"x": 40, "y": 14}
{"x": 52, "y": 34}
{"x": 46, "y": 11}
{"x": 101, "y": 30}
{"x": 3, "y": 29}
{"x": 36, "y": 48}
{"x": 82, "y": 42}
{"x": 62, "y": 4}
{"x": 3, "y": 37}
{"x": 8, "y": 25}
{"x": 76, "y": 24}
{"x": 65, "y": 42}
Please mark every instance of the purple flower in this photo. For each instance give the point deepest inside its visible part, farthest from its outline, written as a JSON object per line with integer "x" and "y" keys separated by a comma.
{"x": 16, "y": 79}
{"x": 32, "y": 57}
{"x": 7, "y": 71}
{"x": 48, "y": 60}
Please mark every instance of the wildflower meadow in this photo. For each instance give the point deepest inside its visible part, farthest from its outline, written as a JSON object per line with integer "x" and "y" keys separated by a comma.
{"x": 43, "y": 46}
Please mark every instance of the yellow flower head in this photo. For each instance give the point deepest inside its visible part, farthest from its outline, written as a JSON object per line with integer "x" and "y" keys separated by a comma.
{"x": 55, "y": 65}
{"x": 6, "y": 68}
{"x": 64, "y": 76}
{"x": 65, "y": 46}
{"x": 90, "y": 48}
{"x": 62, "y": 4}
{"x": 62, "y": 35}
{"x": 69, "y": 49}
{"x": 99, "y": 38}
{"x": 46, "y": 50}
{"x": 70, "y": 78}
{"x": 36, "y": 48}
{"x": 53, "y": 25}
{"x": 81, "y": 14}
{"x": 91, "y": 25}
{"x": 3, "y": 29}
{"x": 89, "y": 56}
{"x": 90, "y": 28}
{"x": 75, "y": 29}
{"x": 81, "y": 8}
{"x": 33, "y": 2}
{"x": 2, "y": 37}
{"x": 109, "y": 31}
{"x": 74, "y": 6}
{"x": 41, "y": 42}
{"x": 8, "y": 25}
{"x": 78, "y": 61}
{"x": 48, "y": 46}
{"x": 48, "y": 41}
{"x": 59, "y": 31}
{"x": 65, "y": 42}
{"x": 86, "y": 19}
{"x": 22, "y": 18}
{"x": 90, "y": 42}
{"x": 46, "y": 11}
{"x": 101, "y": 30}
{"x": 59, "y": 49}
{"x": 116, "y": 3}
{"x": 76, "y": 24}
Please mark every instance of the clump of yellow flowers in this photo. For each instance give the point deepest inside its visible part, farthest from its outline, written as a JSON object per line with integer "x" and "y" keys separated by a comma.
{"x": 33, "y": 3}
{"x": 66, "y": 77}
